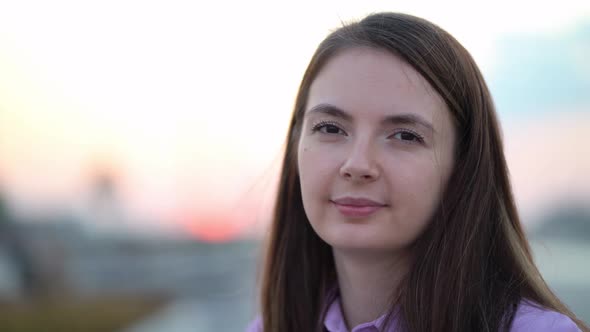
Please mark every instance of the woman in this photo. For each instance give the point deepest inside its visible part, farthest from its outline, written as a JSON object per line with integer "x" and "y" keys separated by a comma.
{"x": 394, "y": 210}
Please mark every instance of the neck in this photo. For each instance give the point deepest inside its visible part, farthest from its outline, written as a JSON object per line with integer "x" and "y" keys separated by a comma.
{"x": 367, "y": 283}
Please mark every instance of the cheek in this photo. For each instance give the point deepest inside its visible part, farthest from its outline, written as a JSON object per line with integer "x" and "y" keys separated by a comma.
{"x": 318, "y": 171}
{"x": 416, "y": 189}
{"x": 315, "y": 168}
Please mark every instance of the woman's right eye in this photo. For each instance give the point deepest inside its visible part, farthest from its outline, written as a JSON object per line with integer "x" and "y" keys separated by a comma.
{"x": 328, "y": 128}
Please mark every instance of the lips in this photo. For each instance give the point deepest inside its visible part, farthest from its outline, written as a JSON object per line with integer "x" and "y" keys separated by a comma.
{"x": 357, "y": 207}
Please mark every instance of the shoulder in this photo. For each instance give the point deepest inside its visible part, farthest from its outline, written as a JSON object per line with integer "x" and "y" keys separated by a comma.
{"x": 532, "y": 317}
{"x": 255, "y": 325}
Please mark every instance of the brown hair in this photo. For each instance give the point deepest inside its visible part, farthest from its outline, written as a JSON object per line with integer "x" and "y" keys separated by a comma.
{"x": 473, "y": 263}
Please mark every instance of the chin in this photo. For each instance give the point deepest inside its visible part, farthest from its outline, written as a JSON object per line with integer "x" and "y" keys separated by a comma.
{"x": 346, "y": 237}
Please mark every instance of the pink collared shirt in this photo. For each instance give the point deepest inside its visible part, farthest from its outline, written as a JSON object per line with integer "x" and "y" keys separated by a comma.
{"x": 528, "y": 317}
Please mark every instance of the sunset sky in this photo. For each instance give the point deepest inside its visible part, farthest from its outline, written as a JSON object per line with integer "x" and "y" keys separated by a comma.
{"x": 185, "y": 104}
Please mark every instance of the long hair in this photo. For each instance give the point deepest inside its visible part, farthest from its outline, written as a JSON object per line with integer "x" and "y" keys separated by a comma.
{"x": 473, "y": 264}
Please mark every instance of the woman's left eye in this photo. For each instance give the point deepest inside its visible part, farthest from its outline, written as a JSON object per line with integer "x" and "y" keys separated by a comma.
{"x": 408, "y": 136}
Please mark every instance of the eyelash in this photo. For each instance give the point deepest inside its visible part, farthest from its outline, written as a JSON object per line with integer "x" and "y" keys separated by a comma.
{"x": 418, "y": 138}
{"x": 323, "y": 124}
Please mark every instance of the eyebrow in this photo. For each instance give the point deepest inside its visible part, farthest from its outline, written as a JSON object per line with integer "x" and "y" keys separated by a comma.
{"x": 407, "y": 118}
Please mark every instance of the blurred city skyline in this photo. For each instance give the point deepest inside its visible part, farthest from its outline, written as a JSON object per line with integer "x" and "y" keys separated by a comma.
{"x": 183, "y": 108}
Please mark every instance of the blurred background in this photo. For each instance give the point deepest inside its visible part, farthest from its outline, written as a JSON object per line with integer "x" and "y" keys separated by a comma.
{"x": 140, "y": 142}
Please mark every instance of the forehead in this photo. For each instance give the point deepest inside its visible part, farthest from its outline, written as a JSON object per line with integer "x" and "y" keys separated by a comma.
{"x": 371, "y": 82}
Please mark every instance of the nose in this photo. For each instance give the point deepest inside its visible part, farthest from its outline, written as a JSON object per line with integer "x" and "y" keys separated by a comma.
{"x": 360, "y": 165}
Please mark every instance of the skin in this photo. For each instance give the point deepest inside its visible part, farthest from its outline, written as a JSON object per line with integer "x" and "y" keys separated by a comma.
{"x": 348, "y": 148}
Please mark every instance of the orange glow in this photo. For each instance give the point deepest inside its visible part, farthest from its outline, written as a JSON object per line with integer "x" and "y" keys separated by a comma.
{"x": 214, "y": 229}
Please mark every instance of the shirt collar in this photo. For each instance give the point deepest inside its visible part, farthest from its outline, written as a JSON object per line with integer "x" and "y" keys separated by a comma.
{"x": 334, "y": 319}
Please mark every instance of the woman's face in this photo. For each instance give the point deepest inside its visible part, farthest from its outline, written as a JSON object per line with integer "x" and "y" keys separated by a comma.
{"x": 375, "y": 151}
